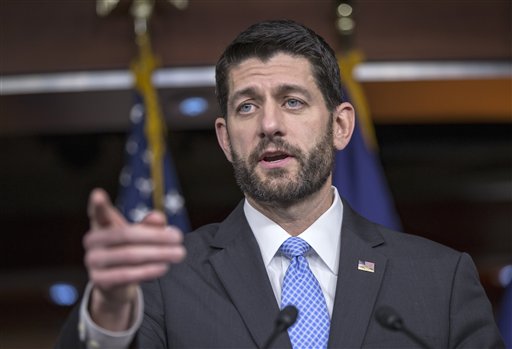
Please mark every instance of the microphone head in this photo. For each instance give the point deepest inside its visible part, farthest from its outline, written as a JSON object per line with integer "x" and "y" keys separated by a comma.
{"x": 389, "y": 318}
{"x": 287, "y": 317}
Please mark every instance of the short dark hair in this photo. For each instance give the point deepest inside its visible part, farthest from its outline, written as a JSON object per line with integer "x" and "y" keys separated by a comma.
{"x": 265, "y": 39}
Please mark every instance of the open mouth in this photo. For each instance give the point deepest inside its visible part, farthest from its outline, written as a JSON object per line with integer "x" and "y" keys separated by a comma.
{"x": 274, "y": 157}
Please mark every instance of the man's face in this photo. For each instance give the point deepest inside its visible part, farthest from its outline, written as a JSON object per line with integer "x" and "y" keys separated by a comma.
{"x": 278, "y": 132}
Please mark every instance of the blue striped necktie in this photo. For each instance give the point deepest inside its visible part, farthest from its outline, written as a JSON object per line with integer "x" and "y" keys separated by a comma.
{"x": 301, "y": 289}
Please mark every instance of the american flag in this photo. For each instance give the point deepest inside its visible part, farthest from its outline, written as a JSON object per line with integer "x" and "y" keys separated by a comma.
{"x": 149, "y": 180}
{"x": 366, "y": 266}
{"x": 137, "y": 185}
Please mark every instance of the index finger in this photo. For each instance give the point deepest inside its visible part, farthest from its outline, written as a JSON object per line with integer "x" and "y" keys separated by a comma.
{"x": 102, "y": 214}
{"x": 137, "y": 234}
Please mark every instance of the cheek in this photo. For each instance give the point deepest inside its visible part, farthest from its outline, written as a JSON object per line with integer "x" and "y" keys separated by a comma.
{"x": 310, "y": 135}
{"x": 240, "y": 146}
{"x": 241, "y": 139}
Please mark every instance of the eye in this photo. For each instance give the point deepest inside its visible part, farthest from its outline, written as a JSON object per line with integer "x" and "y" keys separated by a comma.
{"x": 294, "y": 103}
{"x": 246, "y": 108}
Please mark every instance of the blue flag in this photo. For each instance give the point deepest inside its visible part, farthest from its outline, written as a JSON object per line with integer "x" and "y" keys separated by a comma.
{"x": 360, "y": 180}
{"x": 358, "y": 173}
{"x": 137, "y": 187}
{"x": 505, "y": 316}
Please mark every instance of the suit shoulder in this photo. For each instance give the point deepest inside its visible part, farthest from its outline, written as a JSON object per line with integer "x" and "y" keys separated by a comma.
{"x": 202, "y": 235}
{"x": 414, "y": 246}
{"x": 390, "y": 242}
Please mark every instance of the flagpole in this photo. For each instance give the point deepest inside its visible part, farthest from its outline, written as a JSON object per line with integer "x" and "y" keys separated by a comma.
{"x": 143, "y": 68}
{"x": 349, "y": 58}
{"x": 148, "y": 180}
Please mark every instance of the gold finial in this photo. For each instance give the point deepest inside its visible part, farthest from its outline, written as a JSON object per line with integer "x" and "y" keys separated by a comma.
{"x": 104, "y": 7}
{"x": 141, "y": 10}
{"x": 179, "y": 4}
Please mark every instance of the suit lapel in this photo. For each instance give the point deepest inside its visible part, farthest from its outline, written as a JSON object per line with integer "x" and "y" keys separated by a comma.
{"x": 240, "y": 268}
{"x": 356, "y": 290}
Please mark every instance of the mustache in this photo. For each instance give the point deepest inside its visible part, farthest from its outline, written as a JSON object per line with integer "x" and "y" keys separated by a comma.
{"x": 279, "y": 144}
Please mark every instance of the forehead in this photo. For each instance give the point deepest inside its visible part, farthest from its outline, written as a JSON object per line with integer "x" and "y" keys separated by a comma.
{"x": 279, "y": 69}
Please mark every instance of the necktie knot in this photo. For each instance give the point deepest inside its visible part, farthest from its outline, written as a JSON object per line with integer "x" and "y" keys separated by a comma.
{"x": 294, "y": 247}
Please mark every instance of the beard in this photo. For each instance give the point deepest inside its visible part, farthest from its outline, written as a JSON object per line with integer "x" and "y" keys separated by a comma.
{"x": 279, "y": 186}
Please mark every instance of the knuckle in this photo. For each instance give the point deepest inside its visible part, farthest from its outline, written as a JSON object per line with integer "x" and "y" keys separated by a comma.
{"x": 158, "y": 269}
{"x": 130, "y": 235}
{"x": 182, "y": 253}
{"x": 130, "y": 256}
{"x": 86, "y": 240}
{"x": 175, "y": 234}
{"x": 94, "y": 259}
{"x": 89, "y": 259}
{"x": 177, "y": 254}
{"x": 95, "y": 277}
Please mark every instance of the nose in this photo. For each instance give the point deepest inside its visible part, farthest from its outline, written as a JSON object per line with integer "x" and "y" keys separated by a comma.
{"x": 272, "y": 123}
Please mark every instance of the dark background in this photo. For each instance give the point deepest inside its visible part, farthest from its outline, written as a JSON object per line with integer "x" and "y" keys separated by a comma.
{"x": 445, "y": 144}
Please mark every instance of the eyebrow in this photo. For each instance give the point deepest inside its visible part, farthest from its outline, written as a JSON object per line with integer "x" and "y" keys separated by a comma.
{"x": 246, "y": 92}
{"x": 291, "y": 88}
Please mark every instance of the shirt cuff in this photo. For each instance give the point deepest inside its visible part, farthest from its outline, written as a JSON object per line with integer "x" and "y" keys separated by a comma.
{"x": 96, "y": 337}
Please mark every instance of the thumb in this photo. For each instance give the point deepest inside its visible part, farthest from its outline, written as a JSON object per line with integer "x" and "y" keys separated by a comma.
{"x": 155, "y": 218}
{"x": 102, "y": 213}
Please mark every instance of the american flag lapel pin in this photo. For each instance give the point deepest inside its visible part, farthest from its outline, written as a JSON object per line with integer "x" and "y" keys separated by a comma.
{"x": 366, "y": 266}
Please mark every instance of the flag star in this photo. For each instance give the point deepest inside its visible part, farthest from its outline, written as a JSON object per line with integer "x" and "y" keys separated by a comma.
{"x": 125, "y": 177}
{"x": 147, "y": 157}
{"x": 144, "y": 185}
{"x": 131, "y": 147}
{"x": 138, "y": 213}
{"x": 173, "y": 202}
{"x": 136, "y": 113}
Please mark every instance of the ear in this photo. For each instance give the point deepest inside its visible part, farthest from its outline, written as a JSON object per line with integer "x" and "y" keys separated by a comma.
{"x": 221, "y": 129}
{"x": 343, "y": 125}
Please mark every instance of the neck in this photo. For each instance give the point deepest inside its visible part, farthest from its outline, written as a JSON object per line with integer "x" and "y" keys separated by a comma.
{"x": 296, "y": 217}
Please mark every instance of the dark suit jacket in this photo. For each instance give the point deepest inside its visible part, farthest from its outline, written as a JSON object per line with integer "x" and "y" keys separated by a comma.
{"x": 220, "y": 297}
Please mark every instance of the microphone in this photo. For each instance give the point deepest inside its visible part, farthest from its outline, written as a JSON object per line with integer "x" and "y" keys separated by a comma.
{"x": 388, "y": 318}
{"x": 287, "y": 317}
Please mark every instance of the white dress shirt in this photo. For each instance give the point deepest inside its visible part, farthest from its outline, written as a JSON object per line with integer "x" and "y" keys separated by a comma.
{"x": 324, "y": 237}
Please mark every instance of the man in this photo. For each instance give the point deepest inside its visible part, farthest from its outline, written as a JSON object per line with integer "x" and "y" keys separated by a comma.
{"x": 279, "y": 90}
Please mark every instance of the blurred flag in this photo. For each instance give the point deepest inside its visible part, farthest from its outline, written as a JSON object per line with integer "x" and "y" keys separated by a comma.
{"x": 505, "y": 316}
{"x": 148, "y": 180}
{"x": 358, "y": 174}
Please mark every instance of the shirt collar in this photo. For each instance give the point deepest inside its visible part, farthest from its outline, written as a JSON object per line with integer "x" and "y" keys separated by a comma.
{"x": 322, "y": 235}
